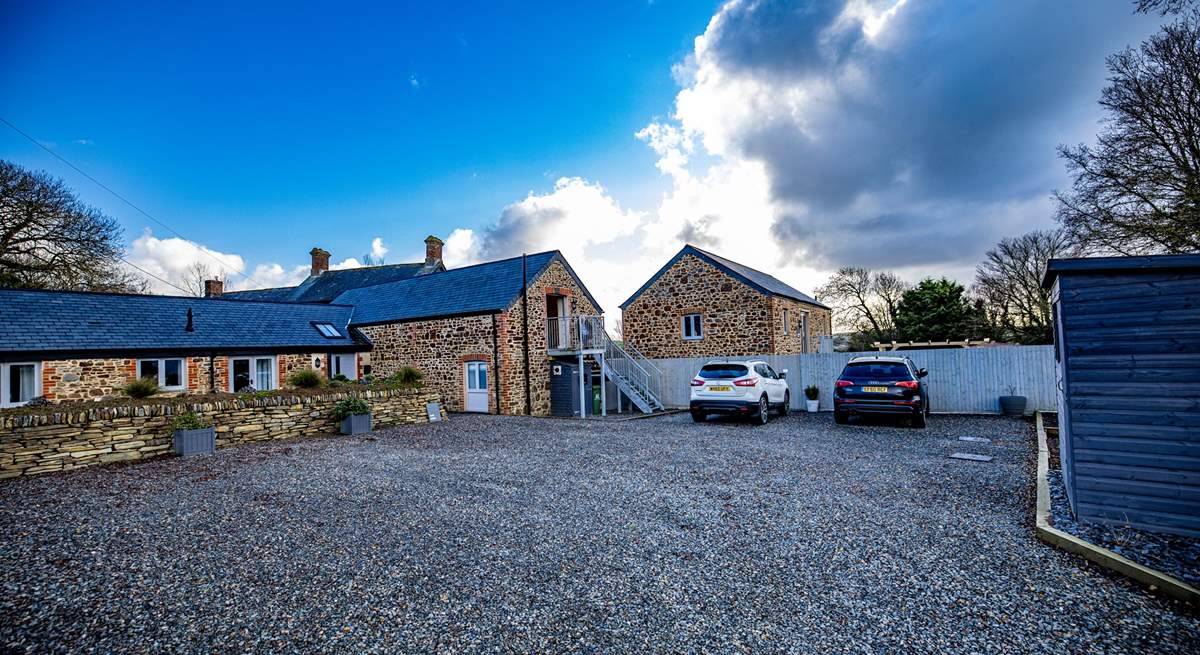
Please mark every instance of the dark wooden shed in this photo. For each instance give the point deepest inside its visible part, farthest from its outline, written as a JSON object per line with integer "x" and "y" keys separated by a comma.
{"x": 1127, "y": 341}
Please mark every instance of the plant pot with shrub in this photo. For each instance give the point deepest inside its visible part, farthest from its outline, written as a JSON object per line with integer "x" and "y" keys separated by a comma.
{"x": 354, "y": 414}
{"x": 191, "y": 435}
{"x": 812, "y": 395}
{"x": 1012, "y": 404}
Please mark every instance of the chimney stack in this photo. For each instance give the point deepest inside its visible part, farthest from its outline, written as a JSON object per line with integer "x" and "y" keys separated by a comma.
{"x": 320, "y": 261}
{"x": 433, "y": 251}
{"x": 213, "y": 288}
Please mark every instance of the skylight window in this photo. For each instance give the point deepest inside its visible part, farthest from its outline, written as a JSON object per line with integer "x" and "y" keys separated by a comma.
{"x": 328, "y": 330}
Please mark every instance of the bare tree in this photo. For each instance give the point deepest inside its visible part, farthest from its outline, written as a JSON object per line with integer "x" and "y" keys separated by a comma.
{"x": 1162, "y": 7}
{"x": 194, "y": 277}
{"x": 1009, "y": 282}
{"x": 1138, "y": 190}
{"x": 50, "y": 239}
{"x": 864, "y": 302}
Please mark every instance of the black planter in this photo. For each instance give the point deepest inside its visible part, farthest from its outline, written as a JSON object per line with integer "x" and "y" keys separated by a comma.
{"x": 194, "y": 442}
{"x": 356, "y": 424}
{"x": 1012, "y": 405}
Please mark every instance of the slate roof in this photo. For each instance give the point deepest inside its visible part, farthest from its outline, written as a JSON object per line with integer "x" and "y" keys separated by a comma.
{"x": 756, "y": 279}
{"x": 330, "y": 284}
{"x": 78, "y": 322}
{"x": 1113, "y": 265}
{"x": 480, "y": 289}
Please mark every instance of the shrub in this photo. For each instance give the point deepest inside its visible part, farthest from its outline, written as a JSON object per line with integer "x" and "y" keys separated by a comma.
{"x": 812, "y": 392}
{"x": 407, "y": 376}
{"x": 349, "y": 407}
{"x": 140, "y": 388}
{"x": 340, "y": 378}
{"x": 305, "y": 378}
{"x": 188, "y": 421}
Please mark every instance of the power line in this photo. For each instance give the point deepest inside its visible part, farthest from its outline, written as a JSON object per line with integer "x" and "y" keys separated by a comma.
{"x": 171, "y": 284}
{"x": 138, "y": 209}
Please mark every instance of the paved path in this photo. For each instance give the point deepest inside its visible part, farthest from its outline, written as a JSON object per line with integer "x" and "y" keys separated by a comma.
{"x": 509, "y": 534}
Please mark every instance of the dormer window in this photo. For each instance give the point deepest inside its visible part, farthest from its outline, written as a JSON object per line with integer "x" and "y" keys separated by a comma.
{"x": 328, "y": 330}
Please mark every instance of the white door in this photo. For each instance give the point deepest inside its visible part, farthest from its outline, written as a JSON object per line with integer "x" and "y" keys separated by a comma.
{"x": 477, "y": 386}
{"x": 344, "y": 365}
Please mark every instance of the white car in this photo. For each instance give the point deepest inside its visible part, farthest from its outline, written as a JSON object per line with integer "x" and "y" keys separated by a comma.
{"x": 746, "y": 388}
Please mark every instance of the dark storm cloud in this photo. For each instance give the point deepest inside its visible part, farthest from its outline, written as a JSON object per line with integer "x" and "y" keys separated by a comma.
{"x": 962, "y": 108}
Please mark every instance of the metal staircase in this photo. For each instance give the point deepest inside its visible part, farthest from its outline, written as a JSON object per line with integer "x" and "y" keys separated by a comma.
{"x": 636, "y": 377}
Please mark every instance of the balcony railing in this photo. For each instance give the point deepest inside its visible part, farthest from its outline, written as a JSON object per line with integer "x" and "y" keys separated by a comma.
{"x": 575, "y": 333}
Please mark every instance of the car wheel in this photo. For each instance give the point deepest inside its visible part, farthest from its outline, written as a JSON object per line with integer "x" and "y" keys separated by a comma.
{"x": 699, "y": 417}
{"x": 841, "y": 418}
{"x": 787, "y": 404}
{"x": 918, "y": 420}
{"x": 764, "y": 410}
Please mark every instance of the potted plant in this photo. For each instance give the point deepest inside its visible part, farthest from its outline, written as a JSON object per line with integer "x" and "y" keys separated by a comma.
{"x": 812, "y": 394}
{"x": 354, "y": 413}
{"x": 191, "y": 435}
{"x": 1012, "y": 404}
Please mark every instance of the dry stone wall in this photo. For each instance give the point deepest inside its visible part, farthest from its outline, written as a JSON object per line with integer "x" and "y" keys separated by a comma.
{"x": 82, "y": 436}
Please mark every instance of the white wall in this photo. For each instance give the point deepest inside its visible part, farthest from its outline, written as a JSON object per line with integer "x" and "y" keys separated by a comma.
{"x": 961, "y": 380}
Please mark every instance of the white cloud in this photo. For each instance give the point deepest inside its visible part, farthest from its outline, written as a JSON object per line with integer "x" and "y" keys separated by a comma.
{"x": 461, "y": 248}
{"x": 378, "y": 250}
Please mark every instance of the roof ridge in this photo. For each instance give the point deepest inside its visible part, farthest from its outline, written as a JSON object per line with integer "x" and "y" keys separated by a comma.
{"x": 120, "y": 294}
{"x": 451, "y": 270}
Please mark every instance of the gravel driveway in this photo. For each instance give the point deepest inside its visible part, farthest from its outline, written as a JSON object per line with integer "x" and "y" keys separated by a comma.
{"x": 511, "y": 534}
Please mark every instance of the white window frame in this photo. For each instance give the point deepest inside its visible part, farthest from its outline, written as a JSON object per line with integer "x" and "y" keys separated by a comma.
{"x": 253, "y": 372}
{"x": 162, "y": 372}
{"x": 37, "y": 382}
{"x": 698, "y": 323}
{"x": 786, "y": 318}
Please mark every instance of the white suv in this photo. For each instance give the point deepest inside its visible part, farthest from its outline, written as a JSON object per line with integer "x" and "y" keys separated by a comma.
{"x": 747, "y": 388}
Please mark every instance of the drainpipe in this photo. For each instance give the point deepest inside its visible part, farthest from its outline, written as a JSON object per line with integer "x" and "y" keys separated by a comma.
{"x": 525, "y": 327}
{"x": 496, "y": 362}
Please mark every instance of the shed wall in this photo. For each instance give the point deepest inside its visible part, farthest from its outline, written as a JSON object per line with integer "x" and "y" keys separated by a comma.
{"x": 1131, "y": 358}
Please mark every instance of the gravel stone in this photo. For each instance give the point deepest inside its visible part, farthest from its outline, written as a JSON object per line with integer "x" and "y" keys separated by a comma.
{"x": 508, "y": 534}
{"x": 1175, "y": 555}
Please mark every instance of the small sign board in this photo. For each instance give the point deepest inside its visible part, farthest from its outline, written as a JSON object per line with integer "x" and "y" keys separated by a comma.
{"x": 434, "y": 411}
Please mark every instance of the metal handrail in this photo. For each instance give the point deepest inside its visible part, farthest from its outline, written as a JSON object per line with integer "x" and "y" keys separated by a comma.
{"x": 580, "y": 333}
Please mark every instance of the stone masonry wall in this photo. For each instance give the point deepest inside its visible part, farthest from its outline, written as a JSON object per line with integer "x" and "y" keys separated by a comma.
{"x": 80, "y": 436}
{"x": 736, "y": 318}
{"x": 555, "y": 280}
{"x": 792, "y": 343}
{"x": 438, "y": 348}
{"x": 85, "y": 379}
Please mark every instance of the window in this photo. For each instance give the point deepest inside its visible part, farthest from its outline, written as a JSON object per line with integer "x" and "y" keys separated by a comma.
{"x": 693, "y": 326}
{"x": 722, "y": 371}
{"x": 255, "y": 372}
{"x": 169, "y": 373}
{"x": 786, "y": 320}
{"x": 804, "y": 332}
{"x": 20, "y": 383}
{"x": 327, "y": 330}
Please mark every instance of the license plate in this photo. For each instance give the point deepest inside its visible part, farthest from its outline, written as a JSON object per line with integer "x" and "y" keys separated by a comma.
{"x": 720, "y": 388}
{"x": 875, "y": 389}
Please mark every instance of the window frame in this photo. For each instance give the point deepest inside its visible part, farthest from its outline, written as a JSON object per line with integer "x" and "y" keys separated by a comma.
{"x": 696, "y": 321}
{"x": 805, "y": 344}
{"x": 786, "y": 319}
{"x": 320, "y": 326}
{"x": 4, "y": 390}
{"x": 162, "y": 372}
{"x": 253, "y": 371}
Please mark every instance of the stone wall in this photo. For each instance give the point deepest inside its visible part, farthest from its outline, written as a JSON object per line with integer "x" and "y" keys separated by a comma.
{"x": 555, "y": 280}
{"x": 85, "y": 379}
{"x": 738, "y": 320}
{"x": 438, "y": 348}
{"x": 792, "y": 342}
{"x": 79, "y": 436}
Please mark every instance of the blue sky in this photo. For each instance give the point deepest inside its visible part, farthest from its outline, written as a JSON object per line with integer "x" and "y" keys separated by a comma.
{"x": 780, "y": 137}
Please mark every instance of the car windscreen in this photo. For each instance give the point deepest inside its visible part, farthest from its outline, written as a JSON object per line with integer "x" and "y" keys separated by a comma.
{"x": 876, "y": 371}
{"x": 722, "y": 371}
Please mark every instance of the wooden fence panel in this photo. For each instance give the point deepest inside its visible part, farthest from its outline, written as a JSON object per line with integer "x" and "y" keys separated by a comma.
{"x": 961, "y": 380}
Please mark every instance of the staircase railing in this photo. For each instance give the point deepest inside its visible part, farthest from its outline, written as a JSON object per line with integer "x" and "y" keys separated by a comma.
{"x": 638, "y": 377}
